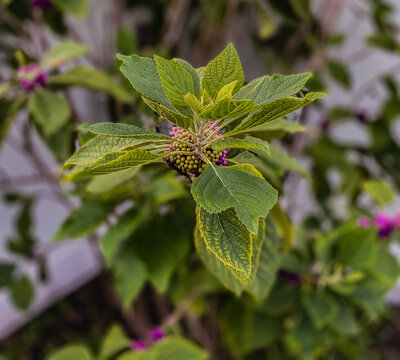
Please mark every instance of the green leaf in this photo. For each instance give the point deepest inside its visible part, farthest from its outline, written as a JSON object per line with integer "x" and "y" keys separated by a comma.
{"x": 50, "y": 110}
{"x": 224, "y": 69}
{"x": 165, "y": 189}
{"x": 103, "y": 183}
{"x": 93, "y": 79}
{"x": 386, "y": 268}
{"x": 321, "y": 307}
{"x": 64, "y": 52}
{"x": 281, "y": 159}
{"x": 380, "y": 191}
{"x": 142, "y": 74}
{"x": 83, "y": 220}
{"x": 195, "y": 105}
{"x": 219, "y": 188}
{"x": 117, "y": 233}
{"x": 280, "y": 125}
{"x": 357, "y": 248}
{"x": 227, "y": 108}
{"x": 176, "y": 118}
{"x": 227, "y": 238}
{"x": 22, "y": 292}
{"x": 345, "y": 322}
{"x": 193, "y": 73}
{"x": 176, "y": 82}
{"x": 226, "y": 92}
{"x": 78, "y": 8}
{"x": 5, "y": 88}
{"x": 8, "y": 112}
{"x": 267, "y": 89}
{"x": 177, "y": 348}
{"x": 339, "y": 73}
{"x": 275, "y": 110}
{"x": 114, "y": 342}
{"x": 248, "y": 143}
{"x": 76, "y": 352}
{"x": 99, "y": 146}
{"x": 6, "y": 273}
{"x": 121, "y": 130}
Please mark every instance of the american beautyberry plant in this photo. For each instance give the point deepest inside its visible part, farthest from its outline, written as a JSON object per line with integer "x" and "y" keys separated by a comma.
{"x": 214, "y": 114}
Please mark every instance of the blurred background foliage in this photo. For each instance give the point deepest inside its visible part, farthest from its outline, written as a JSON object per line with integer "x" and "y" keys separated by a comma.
{"x": 325, "y": 299}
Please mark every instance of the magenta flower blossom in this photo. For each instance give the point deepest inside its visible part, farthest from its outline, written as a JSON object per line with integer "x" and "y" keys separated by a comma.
{"x": 138, "y": 345}
{"x": 31, "y": 76}
{"x": 364, "y": 221}
{"x": 384, "y": 224}
{"x": 396, "y": 221}
{"x": 157, "y": 334}
{"x": 41, "y": 4}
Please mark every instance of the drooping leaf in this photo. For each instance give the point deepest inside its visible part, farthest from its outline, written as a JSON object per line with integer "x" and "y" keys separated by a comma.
{"x": 114, "y": 342}
{"x": 93, "y": 79}
{"x": 76, "y": 352}
{"x": 142, "y": 74}
{"x": 320, "y": 306}
{"x": 248, "y": 143}
{"x": 228, "y": 108}
{"x": 275, "y": 110}
{"x": 224, "y": 69}
{"x": 64, "y": 52}
{"x": 50, "y": 110}
{"x": 83, "y": 220}
{"x": 267, "y": 89}
{"x": 193, "y": 73}
{"x": 78, "y": 8}
{"x": 122, "y": 130}
{"x": 22, "y": 292}
{"x": 176, "y": 118}
{"x": 219, "y": 188}
{"x": 227, "y": 238}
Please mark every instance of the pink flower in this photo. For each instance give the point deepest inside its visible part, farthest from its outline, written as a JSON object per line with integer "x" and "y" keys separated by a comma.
{"x": 157, "y": 334}
{"x": 31, "y": 76}
{"x": 384, "y": 224}
{"x": 138, "y": 345}
{"x": 364, "y": 221}
{"x": 396, "y": 221}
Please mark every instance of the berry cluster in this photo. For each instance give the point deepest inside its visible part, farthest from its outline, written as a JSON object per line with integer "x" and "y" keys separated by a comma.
{"x": 31, "y": 76}
{"x": 189, "y": 161}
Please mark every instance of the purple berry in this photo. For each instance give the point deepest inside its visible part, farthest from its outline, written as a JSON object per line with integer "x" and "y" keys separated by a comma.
{"x": 138, "y": 345}
{"x": 31, "y": 76}
{"x": 384, "y": 224}
{"x": 157, "y": 334}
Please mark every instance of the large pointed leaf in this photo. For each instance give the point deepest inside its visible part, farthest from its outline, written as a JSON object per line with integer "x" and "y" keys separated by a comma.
{"x": 270, "y": 88}
{"x": 276, "y": 110}
{"x": 50, "y": 110}
{"x": 176, "y": 118}
{"x": 219, "y": 188}
{"x": 227, "y": 238}
{"x": 119, "y": 129}
{"x": 193, "y": 73}
{"x": 142, "y": 73}
{"x": 176, "y": 82}
{"x": 248, "y": 143}
{"x": 224, "y": 69}
{"x": 100, "y": 146}
{"x": 228, "y": 108}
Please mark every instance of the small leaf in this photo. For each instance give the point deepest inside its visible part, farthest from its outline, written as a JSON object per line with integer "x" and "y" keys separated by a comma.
{"x": 227, "y": 238}
{"x": 5, "y": 88}
{"x": 121, "y": 130}
{"x": 321, "y": 307}
{"x": 8, "y": 113}
{"x": 6, "y": 273}
{"x": 78, "y": 8}
{"x": 22, "y": 292}
{"x": 114, "y": 342}
{"x": 226, "y": 92}
{"x": 339, "y": 72}
{"x": 194, "y": 103}
{"x": 380, "y": 191}
{"x": 93, "y": 79}
{"x": 50, "y": 110}
{"x": 177, "y": 348}
{"x": 267, "y": 89}
{"x": 224, "y": 69}
{"x": 219, "y": 188}
{"x": 227, "y": 108}
{"x": 176, "y": 118}
{"x": 248, "y": 143}
{"x": 194, "y": 75}
{"x": 275, "y": 110}
{"x": 64, "y": 52}
{"x": 142, "y": 74}
{"x": 76, "y": 352}
{"x": 344, "y": 321}
{"x": 176, "y": 82}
